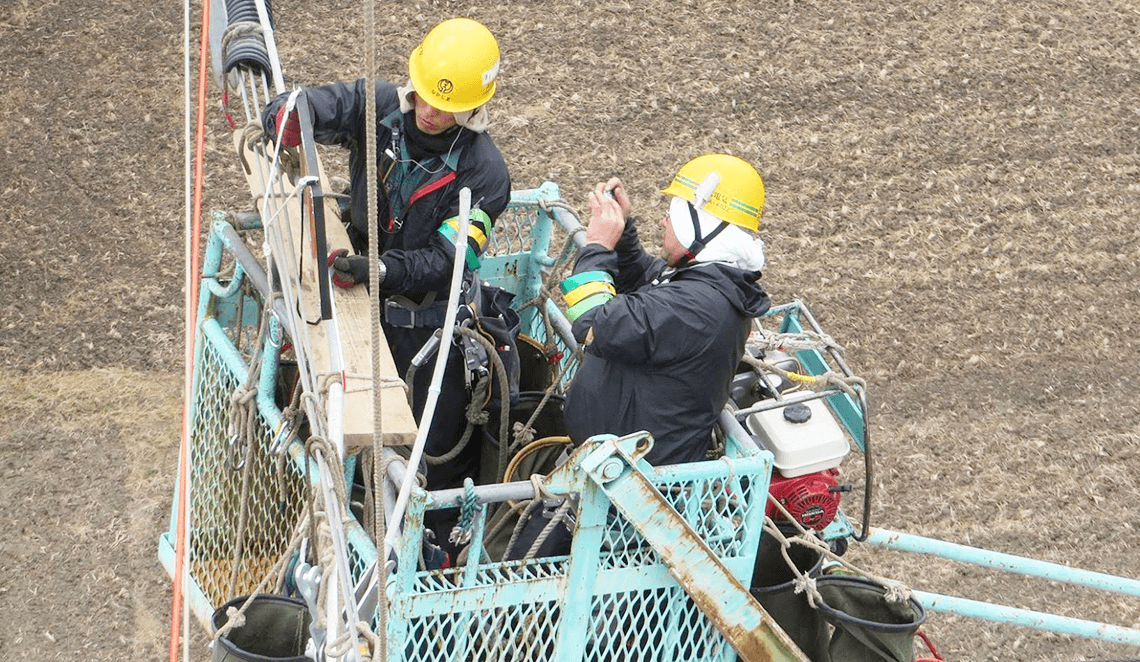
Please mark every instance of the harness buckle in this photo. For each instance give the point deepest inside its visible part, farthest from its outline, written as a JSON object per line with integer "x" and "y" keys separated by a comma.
{"x": 397, "y": 315}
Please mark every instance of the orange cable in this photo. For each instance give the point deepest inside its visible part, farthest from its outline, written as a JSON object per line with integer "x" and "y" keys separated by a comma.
{"x": 192, "y": 269}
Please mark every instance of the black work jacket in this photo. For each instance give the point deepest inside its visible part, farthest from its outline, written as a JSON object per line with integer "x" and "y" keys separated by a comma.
{"x": 663, "y": 352}
{"x": 418, "y": 258}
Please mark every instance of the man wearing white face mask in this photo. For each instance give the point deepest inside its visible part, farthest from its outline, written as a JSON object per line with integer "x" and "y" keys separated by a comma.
{"x": 664, "y": 336}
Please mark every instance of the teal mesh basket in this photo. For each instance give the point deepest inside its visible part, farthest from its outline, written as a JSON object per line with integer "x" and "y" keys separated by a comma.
{"x": 611, "y": 598}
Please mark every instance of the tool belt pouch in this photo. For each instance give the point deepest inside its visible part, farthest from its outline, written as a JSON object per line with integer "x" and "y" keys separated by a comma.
{"x": 500, "y": 324}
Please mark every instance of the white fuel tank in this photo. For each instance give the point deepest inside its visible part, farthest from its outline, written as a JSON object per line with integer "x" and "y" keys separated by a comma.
{"x": 804, "y": 437}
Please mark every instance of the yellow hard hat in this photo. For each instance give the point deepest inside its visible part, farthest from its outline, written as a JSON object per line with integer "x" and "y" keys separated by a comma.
{"x": 737, "y": 198}
{"x": 455, "y": 67}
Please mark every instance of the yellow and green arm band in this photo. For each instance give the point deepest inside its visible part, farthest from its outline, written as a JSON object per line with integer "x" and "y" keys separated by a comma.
{"x": 477, "y": 231}
{"x": 586, "y": 291}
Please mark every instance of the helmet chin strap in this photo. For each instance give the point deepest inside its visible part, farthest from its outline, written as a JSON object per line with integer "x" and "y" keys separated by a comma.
{"x": 700, "y": 197}
{"x": 699, "y": 242}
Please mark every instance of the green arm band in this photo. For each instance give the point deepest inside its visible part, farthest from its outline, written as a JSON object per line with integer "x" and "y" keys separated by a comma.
{"x": 585, "y": 277}
{"x": 472, "y": 257}
{"x": 587, "y": 304}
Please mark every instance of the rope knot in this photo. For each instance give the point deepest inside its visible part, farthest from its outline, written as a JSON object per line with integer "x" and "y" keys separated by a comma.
{"x": 234, "y": 618}
{"x": 803, "y": 583}
{"x": 461, "y": 533}
{"x": 897, "y": 593}
{"x": 476, "y": 414}
{"x": 524, "y": 434}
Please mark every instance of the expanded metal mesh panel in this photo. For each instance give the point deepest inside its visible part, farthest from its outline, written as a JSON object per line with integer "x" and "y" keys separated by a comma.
{"x": 520, "y": 632}
{"x": 220, "y": 466}
{"x": 516, "y": 249}
{"x": 488, "y": 575}
{"x": 716, "y": 509}
{"x": 658, "y": 624}
{"x": 359, "y": 559}
{"x": 517, "y": 252}
{"x": 513, "y": 230}
{"x": 628, "y": 608}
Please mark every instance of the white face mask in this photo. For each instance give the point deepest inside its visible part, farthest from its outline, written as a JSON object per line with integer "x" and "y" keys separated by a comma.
{"x": 733, "y": 245}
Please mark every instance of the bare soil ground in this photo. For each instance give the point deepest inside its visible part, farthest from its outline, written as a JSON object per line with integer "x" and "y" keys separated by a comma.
{"x": 952, "y": 189}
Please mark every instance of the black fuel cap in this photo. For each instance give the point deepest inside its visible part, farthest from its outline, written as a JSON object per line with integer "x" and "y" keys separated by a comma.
{"x": 797, "y": 413}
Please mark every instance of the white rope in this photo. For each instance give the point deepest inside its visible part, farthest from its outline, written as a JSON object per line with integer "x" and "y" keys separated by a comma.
{"x": 440, "y": 365}
{"x": 896, "y": 591}
{"x": 189, "y": 326}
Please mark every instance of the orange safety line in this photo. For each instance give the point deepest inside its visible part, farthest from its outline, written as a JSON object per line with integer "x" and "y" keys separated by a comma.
{"x": 192, "y": 269}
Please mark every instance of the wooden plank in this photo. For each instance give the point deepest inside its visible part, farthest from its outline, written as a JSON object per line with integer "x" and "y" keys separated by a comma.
{"x": 353, "y": 316}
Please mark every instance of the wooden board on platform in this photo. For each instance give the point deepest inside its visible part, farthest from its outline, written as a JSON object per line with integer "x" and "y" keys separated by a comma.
{"x": 352, "y": 309}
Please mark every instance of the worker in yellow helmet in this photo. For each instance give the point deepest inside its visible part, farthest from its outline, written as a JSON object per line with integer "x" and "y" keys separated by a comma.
{"x": 664, "y": 334}
{"x": 432, "y": 141}
{"x": 669, "y": 332}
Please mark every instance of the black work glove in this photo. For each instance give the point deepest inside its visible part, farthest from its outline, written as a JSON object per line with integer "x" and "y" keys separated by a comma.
{"x": 348, "y": 270}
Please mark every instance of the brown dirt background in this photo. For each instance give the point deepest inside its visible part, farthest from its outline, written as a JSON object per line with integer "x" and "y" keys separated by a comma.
{"x": 952, "y": 189}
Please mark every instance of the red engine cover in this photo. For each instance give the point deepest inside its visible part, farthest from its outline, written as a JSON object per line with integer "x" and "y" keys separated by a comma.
{"x": 810, "y": 498}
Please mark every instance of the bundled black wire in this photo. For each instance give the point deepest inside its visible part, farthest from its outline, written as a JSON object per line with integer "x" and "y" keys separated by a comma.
{"x": 244, "y": 43}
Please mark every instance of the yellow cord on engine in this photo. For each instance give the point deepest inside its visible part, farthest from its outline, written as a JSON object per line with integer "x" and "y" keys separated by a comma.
{"x": 804, "y": 379}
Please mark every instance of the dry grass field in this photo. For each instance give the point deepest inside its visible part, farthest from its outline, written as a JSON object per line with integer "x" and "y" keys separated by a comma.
{"x": 952, "y": 190}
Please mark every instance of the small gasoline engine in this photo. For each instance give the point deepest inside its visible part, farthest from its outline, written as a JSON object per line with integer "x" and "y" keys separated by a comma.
{"x": 811, "y": 499}
{"x": 806, "y": 441}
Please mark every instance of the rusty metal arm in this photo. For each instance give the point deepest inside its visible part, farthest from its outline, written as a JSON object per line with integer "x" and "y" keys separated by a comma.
{"x": 716, "y": 591}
